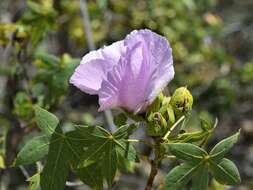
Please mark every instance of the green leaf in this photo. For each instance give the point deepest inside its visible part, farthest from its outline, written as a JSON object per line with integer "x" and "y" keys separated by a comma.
{"x": 225, "y": 172}
{"x": 110, "y": 164}
{"x": 120, "y": 119}
{"x": 187, "y": 152}
{"x": 220, "y": 149}
{"x": 206, "y": 125}
{"x": 103, "y": 149}
{"x": 127, "y": 150}
{"x": 124, "y": 148}
{"x": 200, "y": 180}
{"x": 124, "y": 131}
{"x": 192, "y": 137}
{"x": 34, "y": 182}
{"x": 125, "y": 165}
{"x": 171, "y": 114}
{"x": 55, "y": 172}
{"x": 180, "y": 176}
{"x": 76, "y": 142}
{"x": 49, "y": 59}
{"x": 91, "y": 175}
{"x": 46, "y": 121}
{"x": 36, "y": 7}
{"x": 91, "y": 133}
{"x": 34, "y": 150}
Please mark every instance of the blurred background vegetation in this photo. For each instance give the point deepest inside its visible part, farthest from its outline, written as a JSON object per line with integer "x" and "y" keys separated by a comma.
{"x": 42, "y": 41}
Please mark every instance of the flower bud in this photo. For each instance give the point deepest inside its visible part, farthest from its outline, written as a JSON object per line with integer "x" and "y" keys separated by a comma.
{"x": 156, "y": 125}
{"x": 156, "y": 105}
{"x": 181, "y": 101}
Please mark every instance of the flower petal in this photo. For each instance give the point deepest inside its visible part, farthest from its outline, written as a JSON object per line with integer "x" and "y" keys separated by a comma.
{"x": 162, "y": 62}
{"x": 94, "y": 66}
{"x": 88, "y": 77}
{"x": 124, "y": 87}
{"x": 110, "y": 53}
{"x": 159, "y": 56}
{"x": 142, "y": 73}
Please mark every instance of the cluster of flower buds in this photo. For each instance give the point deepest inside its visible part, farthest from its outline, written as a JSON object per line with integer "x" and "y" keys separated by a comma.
{"x": 165, "y": 111}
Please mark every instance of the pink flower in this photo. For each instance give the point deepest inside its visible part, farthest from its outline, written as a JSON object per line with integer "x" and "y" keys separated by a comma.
{"x": 129, "y": 73}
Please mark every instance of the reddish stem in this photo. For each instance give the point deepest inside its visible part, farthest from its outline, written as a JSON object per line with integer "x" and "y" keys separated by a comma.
{"x": 152, "y": 175}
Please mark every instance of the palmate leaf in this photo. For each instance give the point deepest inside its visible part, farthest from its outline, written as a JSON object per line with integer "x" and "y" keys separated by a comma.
{"x": 91, "y": 175}
{"x": 65, "y": 150}
{"x": 124, "y": 131}
{"x": 101, "y": 152}
{"x": 225, "y": 172}
{"x": 92, "y": 152}
{"x": 55, "y": 172}
{"x": 126, "y": 150}
{"x": 180, "y": 176}
{"x": 110, "y": 164}
{"x": 104, "y": 149}
{"x": 187, "y": 152}
{"x": 220, "y": 149}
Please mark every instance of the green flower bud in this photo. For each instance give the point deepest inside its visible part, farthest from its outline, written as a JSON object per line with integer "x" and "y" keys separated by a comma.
{"x": 156, "y": 105}
{"x": 181, "y": 101}
{"x": 165, "y": 104}
{"x": 170, "y": 115}
{"x": 156, "y": 125}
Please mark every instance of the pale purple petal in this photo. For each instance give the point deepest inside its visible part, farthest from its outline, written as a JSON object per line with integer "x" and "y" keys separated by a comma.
{"x": 142, "y": 73}
{"x": 117, "y": 90}
{"x": 111, "y": 54}
{"x": 161, "y": 58}
{"x": 128, "y": 74}
{"x": 94, "y": 66}
{"x": 88, "y": 77}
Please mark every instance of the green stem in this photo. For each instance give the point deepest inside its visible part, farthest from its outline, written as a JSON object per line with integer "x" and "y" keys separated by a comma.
{"x": 170, "y": 157}
{"x": 140, "y": 141}
{"x": 173, "y": 127}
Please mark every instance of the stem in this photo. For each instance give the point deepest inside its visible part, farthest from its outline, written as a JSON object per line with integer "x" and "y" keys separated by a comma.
{"x": 170, "y": 157}
{"x": 153, "y": 172}
{"x": 140, "y": 141}
{"x": 154, "y": 165}
{"x": 159, "y": 155}
{"x": 74, "y": 184}
{"x": 173, "y": 127}
{"x": 133, "y": 140}
{"x": 24, "y": 171}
